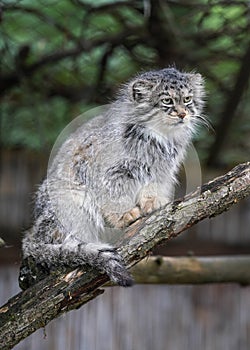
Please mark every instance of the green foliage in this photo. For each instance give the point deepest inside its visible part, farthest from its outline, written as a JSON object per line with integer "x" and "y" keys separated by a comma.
{"x": 67, "y": 56}
{"x": 34, "y": 125}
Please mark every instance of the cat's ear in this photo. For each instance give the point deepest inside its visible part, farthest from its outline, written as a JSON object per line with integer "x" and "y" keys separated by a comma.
{"x": 196, "y": 79}
{"x": 141, "y": 90}
{"x": 198, "y": 83}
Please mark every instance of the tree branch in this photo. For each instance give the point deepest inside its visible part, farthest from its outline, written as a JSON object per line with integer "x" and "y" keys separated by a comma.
{"x": 10, "y": 79}
{"x": 193, "y": 270}
{"x": 63, "y": 291}
{"x": 45, "y": 18}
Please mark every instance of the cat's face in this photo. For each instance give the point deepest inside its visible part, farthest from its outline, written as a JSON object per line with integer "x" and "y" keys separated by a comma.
{"x": 168, "y": 100}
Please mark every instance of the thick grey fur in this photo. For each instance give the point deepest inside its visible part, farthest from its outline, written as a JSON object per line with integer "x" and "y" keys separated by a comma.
{"x": 115, "y": 167}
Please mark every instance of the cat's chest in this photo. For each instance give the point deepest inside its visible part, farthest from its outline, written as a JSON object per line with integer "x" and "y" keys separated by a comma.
{"x": 157, "y": 154}
{"x": 142, "y": 140}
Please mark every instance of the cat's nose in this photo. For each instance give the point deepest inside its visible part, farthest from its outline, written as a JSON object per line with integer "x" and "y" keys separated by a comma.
{"x": 182, "y": 115}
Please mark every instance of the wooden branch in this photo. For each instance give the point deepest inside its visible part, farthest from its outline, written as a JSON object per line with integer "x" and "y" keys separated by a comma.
{"x": 193, "y": 270}
{"x": 64, "y": 291}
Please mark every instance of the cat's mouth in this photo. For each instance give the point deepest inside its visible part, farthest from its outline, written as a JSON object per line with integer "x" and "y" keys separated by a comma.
{"x": 176, "y": 121}
{"x": 181, "y": 121}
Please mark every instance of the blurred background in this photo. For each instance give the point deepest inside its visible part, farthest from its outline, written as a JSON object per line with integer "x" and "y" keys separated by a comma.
{"x": 62, "y": 58}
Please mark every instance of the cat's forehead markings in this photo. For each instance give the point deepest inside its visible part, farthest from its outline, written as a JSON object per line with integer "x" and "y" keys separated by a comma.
{"x": 172, "y": 92}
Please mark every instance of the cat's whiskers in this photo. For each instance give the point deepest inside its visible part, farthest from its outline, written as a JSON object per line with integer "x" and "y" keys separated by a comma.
{"x": 202, "y": 120}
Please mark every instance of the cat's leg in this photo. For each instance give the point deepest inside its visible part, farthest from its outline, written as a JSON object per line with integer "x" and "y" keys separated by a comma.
{"x": 67, "y": 231}
{"x": 100, "y": 256}
{"x": 151, "y": 197}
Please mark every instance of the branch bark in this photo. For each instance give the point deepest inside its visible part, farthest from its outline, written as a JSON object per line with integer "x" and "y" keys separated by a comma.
{"x": 63, "y": 291}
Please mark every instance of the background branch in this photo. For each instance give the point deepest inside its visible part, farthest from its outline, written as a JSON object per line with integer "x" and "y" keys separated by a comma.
{"x": 193, "y": 270}
{"x": 14, "y": 77}
{"x": 66, "y": 290}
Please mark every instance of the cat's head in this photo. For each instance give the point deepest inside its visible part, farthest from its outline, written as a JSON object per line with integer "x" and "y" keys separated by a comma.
{"x": 166, "y": 99}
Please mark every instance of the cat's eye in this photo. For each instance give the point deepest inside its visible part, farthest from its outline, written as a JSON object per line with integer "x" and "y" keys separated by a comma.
{"x": 187, "y": 99}
{"x": 168, "y": 101}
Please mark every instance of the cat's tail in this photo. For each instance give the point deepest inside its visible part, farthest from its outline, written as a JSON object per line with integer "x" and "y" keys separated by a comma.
{"x": 100, "y": 256}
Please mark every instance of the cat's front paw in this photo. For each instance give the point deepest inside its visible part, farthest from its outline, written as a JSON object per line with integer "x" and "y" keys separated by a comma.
{"x": 129, "y": 217}
{"x": 151, "y": 203}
